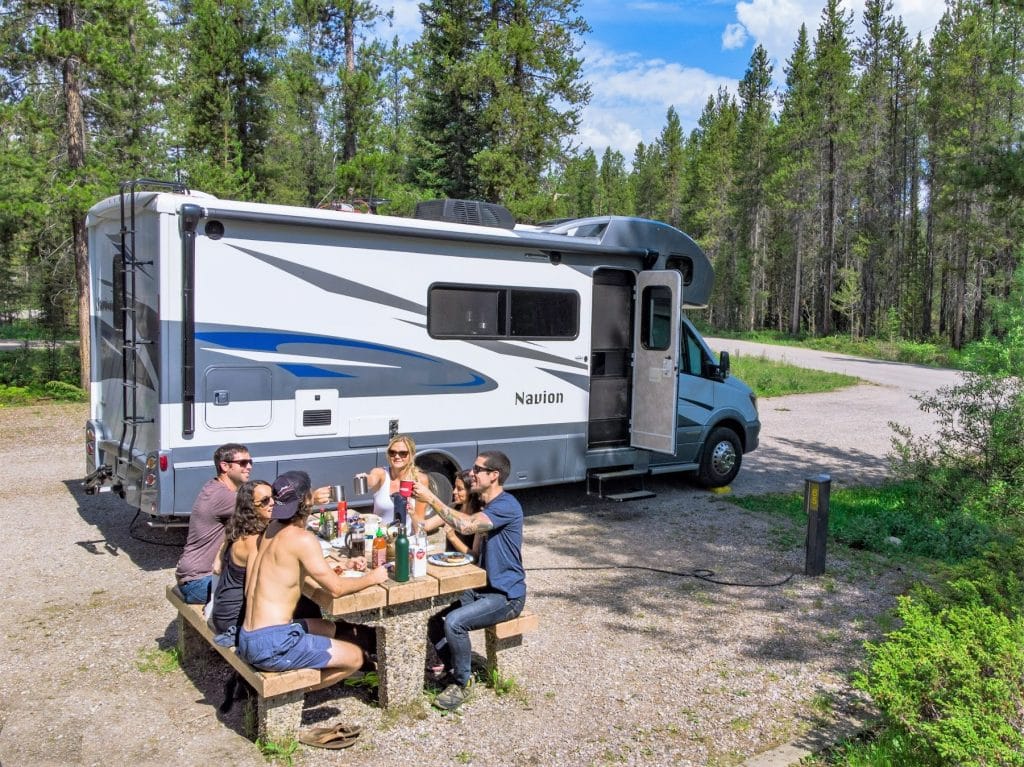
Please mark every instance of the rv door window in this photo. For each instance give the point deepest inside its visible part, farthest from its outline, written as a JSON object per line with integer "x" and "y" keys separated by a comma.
{"x": 457, "y": 312}
{"x": 656, "y": 322}
{"x": 692, "y": 360}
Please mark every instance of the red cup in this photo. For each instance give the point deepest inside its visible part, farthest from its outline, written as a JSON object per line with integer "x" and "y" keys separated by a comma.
{"x": 405, "y": 488}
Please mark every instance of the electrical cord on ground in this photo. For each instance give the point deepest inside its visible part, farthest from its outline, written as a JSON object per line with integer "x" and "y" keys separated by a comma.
{"x": 698, "y": 573}
{"x": 131, "y": 533}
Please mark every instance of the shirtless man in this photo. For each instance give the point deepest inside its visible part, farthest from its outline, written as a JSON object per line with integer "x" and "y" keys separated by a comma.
{"x": 270, "y": 638}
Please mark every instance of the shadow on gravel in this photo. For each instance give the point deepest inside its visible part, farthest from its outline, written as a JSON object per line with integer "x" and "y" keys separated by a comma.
{"x": 148, "y": 548}
{"x": 210, "y": 675}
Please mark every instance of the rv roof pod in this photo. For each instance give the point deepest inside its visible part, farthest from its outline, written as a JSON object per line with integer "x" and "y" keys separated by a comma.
{"x": 312, "y": 335}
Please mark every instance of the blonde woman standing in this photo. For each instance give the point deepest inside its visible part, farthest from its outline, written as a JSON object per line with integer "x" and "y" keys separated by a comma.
{"x": 384, "y": 482}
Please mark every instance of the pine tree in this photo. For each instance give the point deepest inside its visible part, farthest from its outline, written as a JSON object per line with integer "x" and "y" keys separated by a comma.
{"x": 832, "y": 66}
{"x": 753, "y": 168}
{"x": 615, "y": 198}
{"x": 709, "y": 213}
{"x": 791, "y": 187}
{"x": 223, "y": 116}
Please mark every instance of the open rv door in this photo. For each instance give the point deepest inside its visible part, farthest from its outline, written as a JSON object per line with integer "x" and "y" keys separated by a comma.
{"x": 656, "y": 361}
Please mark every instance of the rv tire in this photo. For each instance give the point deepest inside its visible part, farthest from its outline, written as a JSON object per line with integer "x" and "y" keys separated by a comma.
{"x": 720, "y": 461}
{"x": 440, "y": 486}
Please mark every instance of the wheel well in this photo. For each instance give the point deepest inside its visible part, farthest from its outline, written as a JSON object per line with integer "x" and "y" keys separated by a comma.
{"x": 442, "y": 463}
{"x": 736, "y": 428}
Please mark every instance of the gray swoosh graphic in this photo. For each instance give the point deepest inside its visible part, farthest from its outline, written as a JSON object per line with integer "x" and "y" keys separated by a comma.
{"x": 335, "y": 284}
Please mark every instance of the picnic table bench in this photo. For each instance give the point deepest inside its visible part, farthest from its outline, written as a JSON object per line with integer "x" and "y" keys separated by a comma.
{"x": 279, "y": 694}
{"x": 398, "y": 611}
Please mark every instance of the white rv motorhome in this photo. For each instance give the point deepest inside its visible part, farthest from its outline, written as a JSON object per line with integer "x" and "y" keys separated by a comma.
{"x": 312, "y": 335}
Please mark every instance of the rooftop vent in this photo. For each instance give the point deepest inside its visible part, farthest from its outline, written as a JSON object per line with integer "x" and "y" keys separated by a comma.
{"x": 465, "y": 212}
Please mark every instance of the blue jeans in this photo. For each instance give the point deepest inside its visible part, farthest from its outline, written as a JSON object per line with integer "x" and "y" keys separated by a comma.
{"x": 197, "y": 592}
{"x": 474, "y": 610}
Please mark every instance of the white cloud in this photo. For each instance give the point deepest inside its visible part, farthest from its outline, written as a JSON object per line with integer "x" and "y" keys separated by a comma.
{"x": 734, "y": 36}
{"x": 775, "y": 23}
{"x": 631, "y": 96}
{"x": 406, "y": 24}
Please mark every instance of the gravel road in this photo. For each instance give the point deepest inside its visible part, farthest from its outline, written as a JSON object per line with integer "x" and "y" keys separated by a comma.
{"x": 629, "y": 666}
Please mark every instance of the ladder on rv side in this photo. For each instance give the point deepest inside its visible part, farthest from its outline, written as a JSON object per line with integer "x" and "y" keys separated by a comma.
{"x": 131, "y": 342}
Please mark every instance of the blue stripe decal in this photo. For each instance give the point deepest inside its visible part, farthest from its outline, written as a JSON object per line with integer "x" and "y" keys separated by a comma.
{"x": 312, "y": 371}
{"x": 305, "y": 360}
{"x": 272, "y": 341}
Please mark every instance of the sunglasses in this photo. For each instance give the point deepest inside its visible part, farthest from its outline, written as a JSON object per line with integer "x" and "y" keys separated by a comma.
{"x": 259, "y": 504}
{"x": 477, "y": 469}
{"x": 243, "y": 463}
{"x": 398, "y": 453}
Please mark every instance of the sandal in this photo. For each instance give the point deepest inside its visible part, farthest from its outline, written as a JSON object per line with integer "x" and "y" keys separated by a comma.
{"x": 337, "y": 736}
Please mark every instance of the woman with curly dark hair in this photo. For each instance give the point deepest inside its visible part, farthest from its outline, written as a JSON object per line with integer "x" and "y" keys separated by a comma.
{"x": 253, "y": 507}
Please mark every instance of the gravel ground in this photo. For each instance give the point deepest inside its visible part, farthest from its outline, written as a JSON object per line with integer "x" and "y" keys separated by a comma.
{"x": 629, "y": 666}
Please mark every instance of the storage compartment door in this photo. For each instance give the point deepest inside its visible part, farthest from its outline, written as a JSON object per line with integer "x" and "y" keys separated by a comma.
{"x": 237, "y": 398}
{"x": 656, "y": 361}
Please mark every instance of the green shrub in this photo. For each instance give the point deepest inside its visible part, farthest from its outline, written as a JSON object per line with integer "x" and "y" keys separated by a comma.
{"x": 64, "y": 392}
{"x": 952, "y": 680}
{"x": 15, "y": 395}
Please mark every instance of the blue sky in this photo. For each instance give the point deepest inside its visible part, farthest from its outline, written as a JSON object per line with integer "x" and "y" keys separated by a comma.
{"x": 643, "y": 56}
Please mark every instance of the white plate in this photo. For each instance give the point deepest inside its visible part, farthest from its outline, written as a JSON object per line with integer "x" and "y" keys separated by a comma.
{"x": 351, "y": 574}
{"x": 338, "y": 543}
{"x": 447, "y": 559}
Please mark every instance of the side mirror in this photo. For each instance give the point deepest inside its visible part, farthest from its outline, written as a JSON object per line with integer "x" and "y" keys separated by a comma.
{"x": 723, "y": 364}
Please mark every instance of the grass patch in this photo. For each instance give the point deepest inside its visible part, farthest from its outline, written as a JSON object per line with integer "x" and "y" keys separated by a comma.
{"x": 275, "y": 751}
{"x": 932, "y": 354}
{"x": 869, "y": 517}
{"x": 771, "y": 378}
{"x": 159, "y": 661}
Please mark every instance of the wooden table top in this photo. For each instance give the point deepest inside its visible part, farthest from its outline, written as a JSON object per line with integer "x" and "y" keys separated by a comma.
{"x": 438, "y": 580}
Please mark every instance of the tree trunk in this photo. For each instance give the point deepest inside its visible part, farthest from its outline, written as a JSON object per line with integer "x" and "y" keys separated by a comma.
{"x": 75, "y": 135}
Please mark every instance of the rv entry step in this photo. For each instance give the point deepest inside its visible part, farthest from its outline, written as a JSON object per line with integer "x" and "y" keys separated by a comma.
{"x": 618, "y": 484}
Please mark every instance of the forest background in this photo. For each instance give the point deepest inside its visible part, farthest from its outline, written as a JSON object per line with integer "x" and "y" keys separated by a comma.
{"x": 876, "y": 193}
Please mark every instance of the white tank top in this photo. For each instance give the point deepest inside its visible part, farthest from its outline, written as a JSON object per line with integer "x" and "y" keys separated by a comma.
{"x": 383, "y": 506}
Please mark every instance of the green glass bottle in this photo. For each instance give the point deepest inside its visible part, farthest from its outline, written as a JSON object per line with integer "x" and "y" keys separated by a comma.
{"x": 401, "y": 556}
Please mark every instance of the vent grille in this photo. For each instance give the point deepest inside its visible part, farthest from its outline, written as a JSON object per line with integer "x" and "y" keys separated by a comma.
{"x": 465, "y": 212}
{"x": 316, "y": 417}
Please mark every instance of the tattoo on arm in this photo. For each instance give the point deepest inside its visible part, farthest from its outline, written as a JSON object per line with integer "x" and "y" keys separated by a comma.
{"x": 464, "y": 524}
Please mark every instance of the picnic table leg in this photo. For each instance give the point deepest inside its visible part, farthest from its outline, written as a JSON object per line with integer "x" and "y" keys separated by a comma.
{"x": 191, "y": 644}
{"x": 494, "y": 645}
{"x": 278, "y": 718}
{"x": 401, "y": 650}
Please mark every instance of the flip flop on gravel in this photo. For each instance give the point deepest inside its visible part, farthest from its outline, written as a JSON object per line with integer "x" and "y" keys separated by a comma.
{"x": 322, "y": 736}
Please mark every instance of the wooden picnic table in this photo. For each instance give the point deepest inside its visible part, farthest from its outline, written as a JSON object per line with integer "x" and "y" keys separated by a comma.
{"x": 399, "y": 612}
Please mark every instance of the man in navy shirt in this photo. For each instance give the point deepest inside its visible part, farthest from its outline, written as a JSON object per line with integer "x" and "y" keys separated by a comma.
{"x": 501, "y": 524}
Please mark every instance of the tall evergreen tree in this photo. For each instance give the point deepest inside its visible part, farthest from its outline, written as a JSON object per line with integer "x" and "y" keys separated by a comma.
{"x": 229, "y": 50}
{"x": 753, "y": 163}
{"x": 709, "y": 213}
{"x": 791, "y": 188}
{"x": 615, "y": 197}
{"x": 833, "y": 80}
{"x": 99, "y": 124}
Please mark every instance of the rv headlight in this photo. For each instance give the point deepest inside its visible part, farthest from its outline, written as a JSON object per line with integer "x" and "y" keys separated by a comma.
{"x": 90, "y": 441}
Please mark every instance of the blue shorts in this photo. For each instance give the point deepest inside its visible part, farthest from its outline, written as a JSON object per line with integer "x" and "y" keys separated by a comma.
{"x": 284, "y": 648}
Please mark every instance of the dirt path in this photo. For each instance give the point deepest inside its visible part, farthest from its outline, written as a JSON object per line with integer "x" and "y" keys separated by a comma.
{"x": 629, "y": 667}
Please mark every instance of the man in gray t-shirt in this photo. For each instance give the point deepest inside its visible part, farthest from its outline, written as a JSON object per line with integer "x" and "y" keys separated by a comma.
{"x": 214, "y": 505}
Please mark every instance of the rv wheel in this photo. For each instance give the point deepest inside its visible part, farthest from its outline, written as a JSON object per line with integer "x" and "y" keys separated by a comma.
{"x": 721, "y": 459}
{"x": 440, "y": 486}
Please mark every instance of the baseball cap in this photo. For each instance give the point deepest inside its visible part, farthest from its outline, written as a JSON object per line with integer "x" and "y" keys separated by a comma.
{"x": 289, "y": 491}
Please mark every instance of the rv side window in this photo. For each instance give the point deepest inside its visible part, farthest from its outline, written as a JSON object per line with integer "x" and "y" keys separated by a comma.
{"x": 457, "y": 312}
{"x": 656, "y": 324}
{"x": 543, "y": 313}
{"x": 466, "y": 312}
